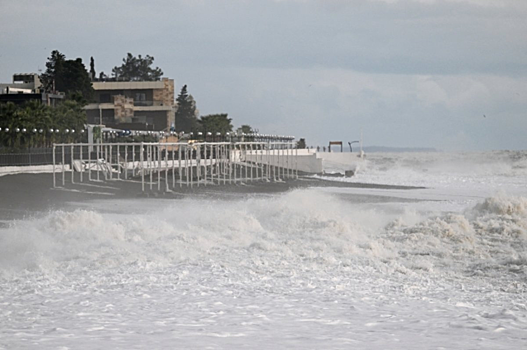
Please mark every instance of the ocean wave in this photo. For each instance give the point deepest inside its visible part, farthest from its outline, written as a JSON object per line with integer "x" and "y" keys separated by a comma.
{"x": 297, "y": 230}
{"x": 477, "y": 170}
{"x": 503, "y": 205}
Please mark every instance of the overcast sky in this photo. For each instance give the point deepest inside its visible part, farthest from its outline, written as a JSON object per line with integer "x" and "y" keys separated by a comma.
{"x": 445, "y": 74}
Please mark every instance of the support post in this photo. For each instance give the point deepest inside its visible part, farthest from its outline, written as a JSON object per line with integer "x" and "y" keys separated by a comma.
{"x": 63, "y": 166}
{"x": 54, "y": 180}
{"x": 142, "y": 160}
{"x": 71, "y": 165}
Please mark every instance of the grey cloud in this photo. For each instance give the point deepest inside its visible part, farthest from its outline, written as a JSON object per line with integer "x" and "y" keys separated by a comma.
{"x": 410, "y": 73}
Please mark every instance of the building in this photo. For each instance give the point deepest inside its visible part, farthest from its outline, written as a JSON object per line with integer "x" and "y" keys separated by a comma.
{"x": 134, "y": 105}
{"x": 27, "y": 87}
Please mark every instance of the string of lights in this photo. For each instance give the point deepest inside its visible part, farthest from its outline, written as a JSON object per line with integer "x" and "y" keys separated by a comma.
{"x": 159, "y": 134}
{"x": 39, "y": 131}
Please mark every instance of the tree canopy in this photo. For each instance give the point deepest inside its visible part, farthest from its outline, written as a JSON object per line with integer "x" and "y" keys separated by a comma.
{"x": 137, "y": 69}
{"x": 246, "y": 129}
{"x": 301, "y": 143}
{"x": 92, "y": 69}
{"x": 186, "y": 113}
{"x": 68, "y": 76}
{"x": 215, "y": 123}
{"x": 35, "y": 115}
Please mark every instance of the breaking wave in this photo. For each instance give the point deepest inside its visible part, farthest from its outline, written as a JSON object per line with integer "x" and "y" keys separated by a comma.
{"x": 489, "y": 169}
{"x": 303, "y": 229}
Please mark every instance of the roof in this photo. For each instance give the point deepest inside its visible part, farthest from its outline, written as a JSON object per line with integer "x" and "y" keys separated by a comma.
{"x": 128, "y": 85}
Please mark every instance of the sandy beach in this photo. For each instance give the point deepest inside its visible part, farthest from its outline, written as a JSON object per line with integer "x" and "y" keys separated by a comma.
{"x": 26, "y": 195}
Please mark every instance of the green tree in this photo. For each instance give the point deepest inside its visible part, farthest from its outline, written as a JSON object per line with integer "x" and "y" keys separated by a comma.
{"x": 301, "y": 144}
{"x": 92, "y": 69}
{"x": 68, "y": 76}
{"x": 33, "y": 116}
{"x": 76, "y": 80}
{"x": 138, "y": 69}
{"x": 246, "y": 129}
{"x": 186, "y": 113}
{"x": 69, "y": 115}
{"x": 39, "y": 116}
{"x": 8, "y": 116}
{"x": 215, "y": 123}
{"x": 54, "y": 71}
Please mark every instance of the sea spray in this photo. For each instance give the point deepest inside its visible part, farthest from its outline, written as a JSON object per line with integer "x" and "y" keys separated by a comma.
{"x": 294, "y": 264}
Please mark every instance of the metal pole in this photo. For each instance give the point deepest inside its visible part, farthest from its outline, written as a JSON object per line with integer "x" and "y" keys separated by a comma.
{"x": 198, "y": 163}
{"x": 158, "y": 167}
{"x": 251, "y": 162}
{"x": 290, "y": 159}
{"x": 228, "y": 162}
{"x": 97, "y": 162}
{"x": 233, "y": 155}
{"x": 205, "y": 162}
{"x": 54, "y": 180}
{"x": 63, "y": 169}
{"x": 255, "y": 164}
{"x": 268, "y": 161}
{"x": 277, "y": 158}
{"x": 191, "y": 166}
{"x": 274, "y": 162}
{"x": 81, "y": 165}
{"x": 246, "y": 164}
{"x": 296, "y": 162}
{"x": 133, "y": 159}
{"x": 142, "y": 159}
{"x": 173, "y": 167}
{"x": 286, "y": 154}
{"x": 111, "y": 165}
{"x": 186, "y": 166}
{"x": 282, "y": 148}
{"x": 259, "y": 159}
{"x": 150, "y": 165}
{"x": 71, "y": 165}
{"x": 281, "y": 161}
{"x": 218, "y": 162}
{"x": 166, "y": 167}
{"x": 118, "y": 161}
{"x": 126, "y": 161}
{"x": 211, "y": 162}
{"x": 179, "y": 170}
{"x": 90, "y": 148}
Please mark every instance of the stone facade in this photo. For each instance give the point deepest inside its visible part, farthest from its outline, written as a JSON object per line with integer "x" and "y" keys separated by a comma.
{"x": 165, "y": 95}
{"x": 123, "y": 109}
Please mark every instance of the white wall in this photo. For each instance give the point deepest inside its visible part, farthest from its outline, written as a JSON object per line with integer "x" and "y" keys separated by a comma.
{"x": 306, "y": 162}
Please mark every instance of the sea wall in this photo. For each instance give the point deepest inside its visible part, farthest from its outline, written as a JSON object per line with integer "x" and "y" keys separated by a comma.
{"x": 305, "y": 162}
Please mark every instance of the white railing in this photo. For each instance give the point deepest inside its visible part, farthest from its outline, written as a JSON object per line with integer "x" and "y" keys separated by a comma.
{"x": 174, "y": 165}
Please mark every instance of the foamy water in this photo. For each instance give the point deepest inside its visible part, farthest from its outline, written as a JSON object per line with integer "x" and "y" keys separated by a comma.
{"x": 314, "y": 268}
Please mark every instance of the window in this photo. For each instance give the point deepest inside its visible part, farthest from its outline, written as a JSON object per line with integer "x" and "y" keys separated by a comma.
{"x": 105, "y": 98}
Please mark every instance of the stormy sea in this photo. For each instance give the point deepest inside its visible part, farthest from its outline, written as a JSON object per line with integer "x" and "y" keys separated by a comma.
{"x": 439, "y": 266}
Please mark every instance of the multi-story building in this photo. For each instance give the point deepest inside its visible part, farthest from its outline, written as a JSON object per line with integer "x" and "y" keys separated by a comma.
{"x": 135, "y": 105}
{"x": 27, "y": 87}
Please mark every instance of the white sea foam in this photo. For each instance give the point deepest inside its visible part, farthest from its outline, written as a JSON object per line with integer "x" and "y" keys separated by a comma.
{"x": 303, "y": 269}
{"x": 482, "y": 172}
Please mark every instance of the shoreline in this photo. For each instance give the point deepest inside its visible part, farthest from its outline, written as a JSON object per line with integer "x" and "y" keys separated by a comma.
{"x": 28, "y": 194}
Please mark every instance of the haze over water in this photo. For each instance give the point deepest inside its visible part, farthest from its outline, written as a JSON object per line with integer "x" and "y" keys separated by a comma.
{"x": 439, "y": 267}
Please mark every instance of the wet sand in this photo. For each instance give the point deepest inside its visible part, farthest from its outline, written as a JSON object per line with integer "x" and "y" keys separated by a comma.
{"x": 24, "y": 195}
